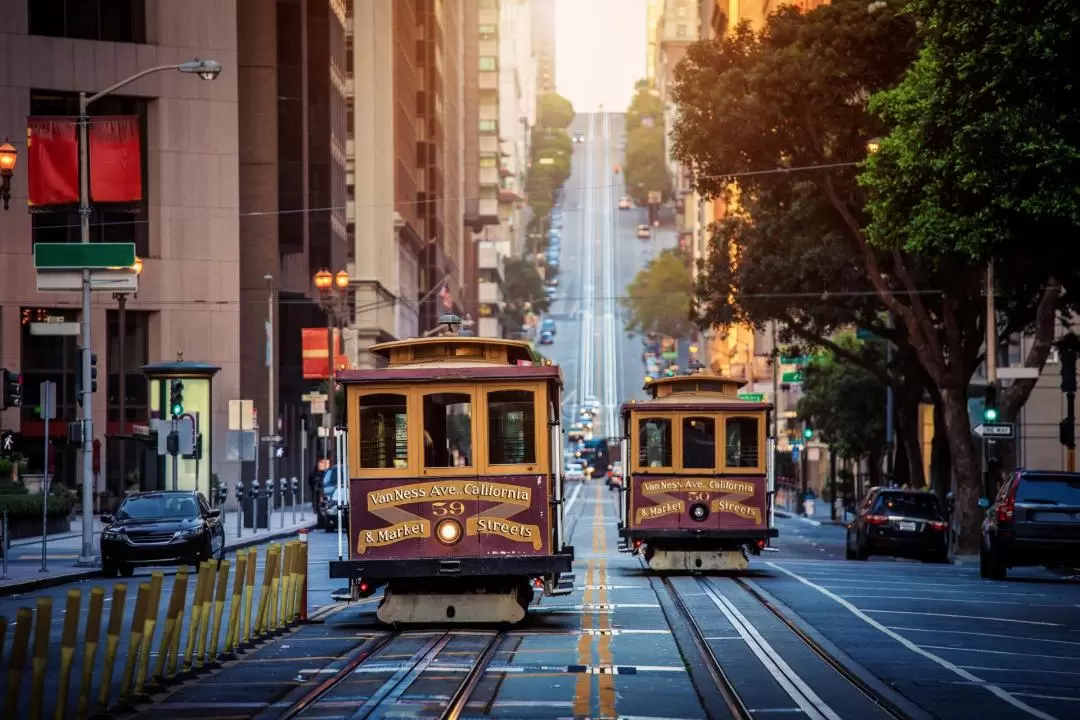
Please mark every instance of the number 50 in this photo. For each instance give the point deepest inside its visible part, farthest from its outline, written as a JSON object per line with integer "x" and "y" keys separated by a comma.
{"x": 698, "y": 496}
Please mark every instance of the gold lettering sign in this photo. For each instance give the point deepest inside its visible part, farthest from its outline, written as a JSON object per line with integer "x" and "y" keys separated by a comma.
{"x": 509, "y": 529}
{"x": 446, "y": 495}
{"x": 408, "y": 530}
{"x": 654, "y": 511}
{"x": 670, "y": 495}
{"x": 733, "y": 508}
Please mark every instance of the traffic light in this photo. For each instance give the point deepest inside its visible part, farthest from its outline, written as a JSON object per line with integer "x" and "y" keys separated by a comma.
{"x": 808, "y": 433}
{"x": 176, "y": 398}
{"x": 79, "y": 374}
{"x": 990, "y": 411}
{"x": 12, "y": 390}
{"x": 1068, "y": 369}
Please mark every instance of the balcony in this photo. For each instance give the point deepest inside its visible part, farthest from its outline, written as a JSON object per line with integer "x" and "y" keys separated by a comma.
{"x": 489, "y": 144}
{"x": 488, "y": 209}
{"x": 488, "y": 16}
{"x": 488, "y": 80}
{"x": 489, "y": 177}
{"x": 488, "y": 257}
{"x": 488, "y": 111}
{"x": 489, "y": 293}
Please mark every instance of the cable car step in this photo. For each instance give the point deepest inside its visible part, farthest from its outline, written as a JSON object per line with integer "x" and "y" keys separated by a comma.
{"x": 564, "y": 584}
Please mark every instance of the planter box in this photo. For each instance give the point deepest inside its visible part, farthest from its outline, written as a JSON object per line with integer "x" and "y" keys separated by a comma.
{"x": 24, "y": 527}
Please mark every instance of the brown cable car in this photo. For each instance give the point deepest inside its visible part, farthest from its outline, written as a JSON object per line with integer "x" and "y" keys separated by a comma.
{"x": 455, "y": 457}
{"x": 697, "y": 495}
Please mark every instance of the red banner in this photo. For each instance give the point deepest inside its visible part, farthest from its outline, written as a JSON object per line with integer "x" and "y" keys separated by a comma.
{"x": 115, "y": 159}
{"x": 314, "y": 351}
{"x": 52, "y": 161}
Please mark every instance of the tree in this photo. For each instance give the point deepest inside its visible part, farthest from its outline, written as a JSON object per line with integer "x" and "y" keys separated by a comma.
{"x": 550, "y": 141}
{"x": 658, "y": 300}
{"x": 522, "y": 285}
{"x": 646, "y": 163}
{"x": 554, "y": 111}
{"x": 981, "y": 163}
{"x": 794, "y": 97}
{"x": 646, "y": 105}
{"x": 843, "y": 401}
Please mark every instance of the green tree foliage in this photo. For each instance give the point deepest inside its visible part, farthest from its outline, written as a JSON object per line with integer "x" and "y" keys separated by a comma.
{"x": 845, "y": 402}
{"x": 554, "y": 111}
{"x": 658, "y": 299}
{"x": 551, "y": 141}
{"x": 646, "y": 155}
{"x": 523, "y": 288}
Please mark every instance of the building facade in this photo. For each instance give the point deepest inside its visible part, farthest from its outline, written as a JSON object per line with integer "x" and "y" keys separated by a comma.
{"x": 185, "y": 230}
{"x": 543, "y": 43}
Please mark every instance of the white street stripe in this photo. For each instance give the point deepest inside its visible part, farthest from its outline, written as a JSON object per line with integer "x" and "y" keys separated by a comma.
{"x": 948, "y": 615}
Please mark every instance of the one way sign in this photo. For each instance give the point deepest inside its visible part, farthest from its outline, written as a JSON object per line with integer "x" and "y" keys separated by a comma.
{"x": 994, "y": 430}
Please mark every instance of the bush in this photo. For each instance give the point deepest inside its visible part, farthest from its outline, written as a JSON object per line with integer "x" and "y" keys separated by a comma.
{"x": 21, "y": 506}
{"x": 7, "y": 487}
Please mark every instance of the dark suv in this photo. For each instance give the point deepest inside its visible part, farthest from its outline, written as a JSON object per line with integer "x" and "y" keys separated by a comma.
{"x": 1034, "y": 520}
{"x": 900, "y": 523}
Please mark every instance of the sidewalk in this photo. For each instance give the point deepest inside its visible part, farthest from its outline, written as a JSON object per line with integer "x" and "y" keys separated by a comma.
{"x": 24, "y": 572}
{"x": 821, "y": 515}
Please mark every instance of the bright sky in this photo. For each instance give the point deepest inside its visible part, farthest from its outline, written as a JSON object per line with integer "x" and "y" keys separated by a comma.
{"x": 599, "y": 51}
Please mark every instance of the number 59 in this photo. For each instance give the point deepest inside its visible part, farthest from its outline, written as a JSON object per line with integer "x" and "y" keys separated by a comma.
{"x": 439, "y": 509}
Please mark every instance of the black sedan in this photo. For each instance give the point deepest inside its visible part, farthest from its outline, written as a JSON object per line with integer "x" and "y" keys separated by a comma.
{"x": 899, "y": 523}
{"x": 161, "y": 528}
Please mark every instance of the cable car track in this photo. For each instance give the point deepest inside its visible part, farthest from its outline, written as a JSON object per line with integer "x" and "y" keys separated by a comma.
{"x": 401, "y": 675}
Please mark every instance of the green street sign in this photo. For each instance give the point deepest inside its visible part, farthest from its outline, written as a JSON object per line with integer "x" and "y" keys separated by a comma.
{"x": 794, "y": 359}
{"x": 752, "y": 397}
{"x": 669, "y": 355}
{"x": 792, "y": 377}
{"x": 83, "y": 256}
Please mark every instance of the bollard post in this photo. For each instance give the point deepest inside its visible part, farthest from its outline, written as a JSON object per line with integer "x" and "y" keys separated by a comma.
{"x": 68, "y": 639}
{"x": 294, "y": 579}
{"x": 295, "y": 485}
{"x": 20, "y": 644}
{"x": 40, "y": 658}
{"x": 232, "y": 635}
{"x": 273, "y": 625}
{"x": 138, "y": 624}
{"x": 264, "y": 595}
{"x": 206, "y": 611}
{"x": 290, "y": 581}
{"x": 112, "y": 641}
{"x": 303, "y": 573}
{"x": 196, "y": 616}
{"x": 174, "y": 619}
{"x": 90, "y": 643}
{"x": 297, "y": 581}
{"x": 219, "y": 609}
{"x": 149, "y": 627}
{"x": 249, "y": 594}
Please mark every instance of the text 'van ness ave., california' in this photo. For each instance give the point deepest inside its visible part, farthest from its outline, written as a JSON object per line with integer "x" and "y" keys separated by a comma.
{"x": 449, "y": 489}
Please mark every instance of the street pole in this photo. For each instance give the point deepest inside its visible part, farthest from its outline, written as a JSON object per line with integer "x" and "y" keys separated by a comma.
{"x": 46, "y": 402}
{"x": 86, "y": 557}
{"x": 121, "y": 316}
{"x": 890, "y": 411}
{"x": 175, "y": 458}
{"x": 991, "y": 367}
{"x": 271, "y": 448}
{"x": 303, "y": 464}
{"x": 330, "y": 379}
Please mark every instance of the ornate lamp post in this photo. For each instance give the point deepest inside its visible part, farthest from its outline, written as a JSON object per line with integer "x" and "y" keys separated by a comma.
{"x": 333, "y": 290}
{"x": 121, "y": 322}
{"x": 8, "y": 157}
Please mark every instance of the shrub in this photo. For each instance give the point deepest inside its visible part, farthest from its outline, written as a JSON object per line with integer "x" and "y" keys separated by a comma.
{"x": 30, "y": 505}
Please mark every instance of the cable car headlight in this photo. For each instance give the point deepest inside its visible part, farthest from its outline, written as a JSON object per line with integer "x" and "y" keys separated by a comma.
{"x": 448, "y": 531}
{"x": 699, "y": 512}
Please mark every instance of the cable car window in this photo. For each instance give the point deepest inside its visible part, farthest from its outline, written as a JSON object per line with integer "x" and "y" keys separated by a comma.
{"x": 654, "y": 442}
{"x": 383, "y": 431}
{"x": 511, "y": 427}
{"x": 742, "y": 442}
{"x": 699, "y": 442}
{"x": 448, "y": 430}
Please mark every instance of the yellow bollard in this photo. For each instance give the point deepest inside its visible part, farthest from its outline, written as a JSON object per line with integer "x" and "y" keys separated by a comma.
{"x": 249, "y": 593}
{"x": 266, "y": 599}
{"x": 196, "y": 614}
{"x": 178, "y": 628}
{"x": 301, "y": 581}
{"x": 292, "y": 582}
{"x": 204, "y": 613}
{"x": 149, "y": 626}
{"x": 219, "y": 608}
{"x": 68, "y": 639}
{"x": 40, "y": 659}
{"x": 90, "y": 643}
{"x": 138, "y": 624}
{"x": 264, "y": 594}
{"x": 175, "y": 599}
{"x": 112, "y": 641}
{"x": 286, "y": 585}
{"x": 232, "y": 635}
{"x": 275, "y": 582}
{"x": 20, "y": 644}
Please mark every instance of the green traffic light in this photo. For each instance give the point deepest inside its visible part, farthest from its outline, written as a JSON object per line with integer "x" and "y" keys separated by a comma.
{"x": 177, "y": 410}
{"x": 808, "y": 433}
{"x": 990, "y": 414}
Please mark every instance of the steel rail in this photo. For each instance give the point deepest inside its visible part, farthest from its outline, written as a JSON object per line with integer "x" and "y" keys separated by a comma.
{"x": 460, "y": 699}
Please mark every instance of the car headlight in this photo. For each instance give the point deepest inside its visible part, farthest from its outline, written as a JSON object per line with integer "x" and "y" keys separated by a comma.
{"x": 111, "y": 534}
{"x": 188, "y": 531}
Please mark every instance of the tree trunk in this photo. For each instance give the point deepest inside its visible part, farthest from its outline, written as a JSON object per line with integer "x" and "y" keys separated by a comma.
{"x": 909, "y": 433}
{"x": 873, "y": 465}
{"x": 901, "y": 473}
{"x": 940, "y": 463}
{"x": 965, "y": 467}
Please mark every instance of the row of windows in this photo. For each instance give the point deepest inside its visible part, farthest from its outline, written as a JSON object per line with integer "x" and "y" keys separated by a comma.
{"x": 488, "y": 63}
{"x": 656, "y": 444}
{"x": 489, "y": 126}
{"x": 108, "y": 20}
{"x": 448, "y": 429}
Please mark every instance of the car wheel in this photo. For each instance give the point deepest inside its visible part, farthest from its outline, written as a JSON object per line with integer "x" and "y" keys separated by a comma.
{"x": 990, "y": 565}
{"x": 849, "y": 550}
{"x": 861, "y": 553}
{"x": 221, "y": 552}
{"x": 109, "y": 568}
{"x": 127, "y": 569}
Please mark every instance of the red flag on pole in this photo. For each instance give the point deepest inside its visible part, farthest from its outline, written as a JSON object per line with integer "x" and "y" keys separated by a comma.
{"x": 52, "y": 161}
{"x": 115, "y": 159}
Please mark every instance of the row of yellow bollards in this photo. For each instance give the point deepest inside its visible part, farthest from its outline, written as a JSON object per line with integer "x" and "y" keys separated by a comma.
{"x": 279, "y": 602}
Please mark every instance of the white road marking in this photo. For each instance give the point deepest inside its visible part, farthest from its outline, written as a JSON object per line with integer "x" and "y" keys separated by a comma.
{"x": 965, "y": 617}
{"x": 1000, "y": 652}
{"x": 1048, "y": 697}
{"x": 795, "y": 686}
{"x": 937, "y": 631}
{"x": 953, "y": 600}
{"x": 996, "y": 690}
{"x": 1018, "y": 670}
{"x": 573, "y": 498}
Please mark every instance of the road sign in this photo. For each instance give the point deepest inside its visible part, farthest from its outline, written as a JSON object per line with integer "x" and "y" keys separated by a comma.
{"x": 53, "y": 329}
{"x": 241, "y": 415}
{"x": 47, "y": 408}
{"x": 270, "y": 439}
{"x": 314, "y": 397}
{"x": 752, "y": 397}
{"x": 318, "y": 408}
{"x": 122, "y": 280}
{"x": 794, "y": 359}
{"x": 84, "y": 256}
{"x": 240, "y": 446}
{"x": 993, "y": 430}
{"x": 185, "y": 428}
{"x": 791, "y": 377}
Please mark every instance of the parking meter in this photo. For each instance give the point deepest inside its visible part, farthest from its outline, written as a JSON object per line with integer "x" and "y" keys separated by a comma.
{"x": 295, "y": 489}
{"x": 240, "y": 508}
{"x": 223, "y": 494}
{"x": 254, "y": 493}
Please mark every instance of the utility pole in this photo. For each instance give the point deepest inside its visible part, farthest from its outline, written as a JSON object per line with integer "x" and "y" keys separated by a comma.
{"x": 271, "y": 399}
{"x": 1067, "y": 352}
{"x": 890, "y": 411}
{"x": 991, "y": 380}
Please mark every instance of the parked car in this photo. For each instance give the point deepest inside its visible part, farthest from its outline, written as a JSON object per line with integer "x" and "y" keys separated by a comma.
{"x": 575, "y": 471}
{"x": 160, "y": 528}
{"x": 547, "y": 325}
{"x": 643, "y": 232}
{"x": 547, "y": 337}
{"x": 615, "y": 475}
{"x": 579, "y": 138}
{"x": 899, "y": 523}
{"x": 625, "y": 203}
{"x": 1032, "y": 521}
{"x": 326, "y": 516}
{"x": 330, "y": 511}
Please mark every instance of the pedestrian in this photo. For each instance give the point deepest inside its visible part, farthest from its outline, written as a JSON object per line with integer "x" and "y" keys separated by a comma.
{"x": 314, "y": 481}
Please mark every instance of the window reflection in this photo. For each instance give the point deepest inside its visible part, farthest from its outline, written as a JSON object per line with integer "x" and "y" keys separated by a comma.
{"x": 699, "y": 442}
{"x": 742, "y": 442}
{"x": 511, "y": 428}
{"x": 448, "y": 430}
{"x": 383, "y": 431}
{"x": 654, "y": 442}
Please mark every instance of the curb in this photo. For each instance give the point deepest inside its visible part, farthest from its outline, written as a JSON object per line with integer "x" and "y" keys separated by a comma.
{"x": 20, "y": 588}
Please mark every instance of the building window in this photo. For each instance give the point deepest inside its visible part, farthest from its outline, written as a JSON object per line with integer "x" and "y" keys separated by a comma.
{"x": 489, "y": 126}
{"x": 136, "y": 354}
{"x": 489, "y": 161}
{"x": 384, "y": 431}
{"x": 109, "y": 20}
{"x": 110, "y": 222}
{"x": 448, "y": 430}
{"x": 680, "y": 30}
{"x": 654, "y": 442}
{"x": 511, "y": 428}
{"x": 487, "y": 31}
{"x": 350, "y": 115}
{"x": 349, "y": 54}
{"x": 742, "y": 442}
{"x": 488, "y": 63}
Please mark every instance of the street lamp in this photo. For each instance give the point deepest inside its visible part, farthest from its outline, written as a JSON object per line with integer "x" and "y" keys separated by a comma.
{"x": 207, "y": 70}
{"x": 873, "y": 145}
{"x": 121, "y": 321}
{"x": 8, "y": 157}
{"x": 333, "y": 291}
